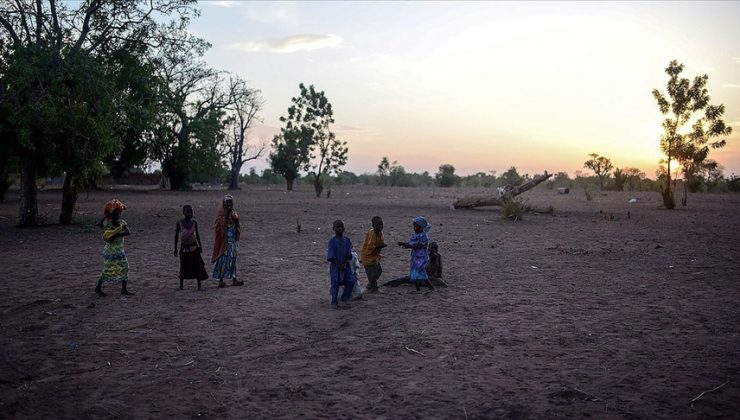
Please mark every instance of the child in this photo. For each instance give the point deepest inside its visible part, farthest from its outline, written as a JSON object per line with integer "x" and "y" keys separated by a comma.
{"x": 339, "y": 254}
{"x": 191, "y": 263}
{"x": 434, "y": 268}
{"x": 374, "y": 242}
{"x": 419, "y": 253}
{"x": 226, "y": 235}
{"x": 115, "y": 264}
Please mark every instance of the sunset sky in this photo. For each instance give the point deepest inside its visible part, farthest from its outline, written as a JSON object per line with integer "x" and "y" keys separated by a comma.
{"x": 482, "y": 85}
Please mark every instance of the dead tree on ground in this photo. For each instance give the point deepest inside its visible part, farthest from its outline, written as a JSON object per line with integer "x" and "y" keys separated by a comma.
{"x": 503, "y": 194}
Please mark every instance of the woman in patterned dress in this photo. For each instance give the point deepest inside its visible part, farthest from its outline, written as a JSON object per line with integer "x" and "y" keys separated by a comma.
{"x": 226, "y": 235}
{"x": 115, "y": 264}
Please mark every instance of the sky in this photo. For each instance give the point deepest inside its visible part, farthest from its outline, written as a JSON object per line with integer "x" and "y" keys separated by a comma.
{"x": 482, "y": 86}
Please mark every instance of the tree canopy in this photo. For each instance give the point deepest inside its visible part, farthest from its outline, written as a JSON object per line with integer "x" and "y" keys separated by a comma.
{"x": 683, "y": 104}
{"x": 307, "y": 142}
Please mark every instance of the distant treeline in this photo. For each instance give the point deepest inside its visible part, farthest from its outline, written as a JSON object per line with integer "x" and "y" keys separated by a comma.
{"x": 401, "y": 178}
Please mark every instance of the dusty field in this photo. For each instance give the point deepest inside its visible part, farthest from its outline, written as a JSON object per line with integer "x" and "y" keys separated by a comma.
{"x": 575, "y": 314}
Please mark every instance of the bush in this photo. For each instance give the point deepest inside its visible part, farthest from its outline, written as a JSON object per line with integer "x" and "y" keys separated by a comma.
{"x": 733, "y": 183}
{"x": 513, "y": 209}
{"x": 587, "y": 191}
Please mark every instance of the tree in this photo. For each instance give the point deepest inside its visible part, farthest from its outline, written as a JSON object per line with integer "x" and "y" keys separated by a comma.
{"x": 685, "y": 99}
{"x": 193, "y": 105}
{"x": 290, "y": 152}
{"x": 694, "y": 148}
{"x": 138, "y": 87}
{"x": 633, "y": 176}
{"x": 398, "y": 176}
{"x": 46, "y": 50}
{"x": 601, "y": 166}
{"x": 314, "y": 111}
{"x": 384, "y": 171}
{"x": 712, "y": 174}
{"x": 561, "y": 179}
{"x": 620, "y": 178}
{"x": 307, "y": 131}
{"x": 511, "y": 177}
{"x": 446, "y": 177}
{"x": 81, "y": 127}
{"x": 242, "y": 115}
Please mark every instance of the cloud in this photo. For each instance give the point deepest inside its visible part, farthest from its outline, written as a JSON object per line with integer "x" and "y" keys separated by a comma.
{"x": 223, "y": 3}
{"x": 271, "y": 13}
{"x": 293, "y": 43}
{"x": 730, "y": 85}
{"x": 736, "y": 59}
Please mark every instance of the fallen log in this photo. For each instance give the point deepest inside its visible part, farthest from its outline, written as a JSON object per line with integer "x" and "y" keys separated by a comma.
{"x": 502, "y": 195}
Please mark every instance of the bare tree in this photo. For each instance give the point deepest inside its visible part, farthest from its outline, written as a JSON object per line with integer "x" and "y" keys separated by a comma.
{"x": 243, "y": 113}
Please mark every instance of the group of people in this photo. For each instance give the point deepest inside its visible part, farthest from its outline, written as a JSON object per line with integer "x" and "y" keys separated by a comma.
{"x": 226, "y": 234}
{"x": 425, "y": 264}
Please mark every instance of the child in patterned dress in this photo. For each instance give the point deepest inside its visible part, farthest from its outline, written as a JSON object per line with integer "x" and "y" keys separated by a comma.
{"x": 419, "y": 243}
{"x": 115, "y": 264}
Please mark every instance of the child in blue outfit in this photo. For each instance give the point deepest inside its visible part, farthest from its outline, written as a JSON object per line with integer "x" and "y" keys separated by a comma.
{"x": 339, "y": 254}
{"x": 419, "y": 243}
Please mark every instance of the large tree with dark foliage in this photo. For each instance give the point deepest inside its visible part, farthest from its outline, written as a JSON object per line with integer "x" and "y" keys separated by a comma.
{"x": 56, "y": 82}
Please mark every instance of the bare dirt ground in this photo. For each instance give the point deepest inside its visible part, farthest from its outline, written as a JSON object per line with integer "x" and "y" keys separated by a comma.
{"x": 582, "y": 313}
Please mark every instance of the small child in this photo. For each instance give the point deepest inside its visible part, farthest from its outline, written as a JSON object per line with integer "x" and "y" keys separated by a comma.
{"x": 374, "y": 242}
{"x": 434, "y": 268}
{"x": 115, "y": 264}
{"x": 191, "y": 263}
{"x": 226, "y": 235}
{"x": 339, "y": 254}
{"x": 418, "y": 244}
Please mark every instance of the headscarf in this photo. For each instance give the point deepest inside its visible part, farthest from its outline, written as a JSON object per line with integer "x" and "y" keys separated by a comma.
{"x": 114, "y": 204}
{"x": 421, "y": 221}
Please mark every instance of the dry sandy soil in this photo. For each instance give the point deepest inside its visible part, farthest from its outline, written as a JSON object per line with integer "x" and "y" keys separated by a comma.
{"x": 583, "y": 313}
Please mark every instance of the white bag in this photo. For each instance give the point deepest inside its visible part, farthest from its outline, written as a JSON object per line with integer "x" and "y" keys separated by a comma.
{"x": 358, "y": 290}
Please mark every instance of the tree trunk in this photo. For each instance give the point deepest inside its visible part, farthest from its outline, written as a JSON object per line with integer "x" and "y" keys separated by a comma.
{"x": 234, "y": 178}
{"x": 28, "y": 206}
{"x": 180, "y": 168}
{"x": 4, "y": 181}
{"x": 317, "y": 186}
{"x": 69, "y": 200}
{"x": 289, "y": 183}
{"x": 471, "y": 202}
{"x": 178, "y": 181}
{"x": 685, "y": 197}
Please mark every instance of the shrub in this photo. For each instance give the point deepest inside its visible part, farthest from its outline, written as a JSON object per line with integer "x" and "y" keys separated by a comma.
{"x": 513, "y": 209}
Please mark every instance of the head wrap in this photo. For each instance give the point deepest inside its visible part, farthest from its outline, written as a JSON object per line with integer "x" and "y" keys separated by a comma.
{"x": 421, "y": 221}
{"x": 114, "y": 204}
